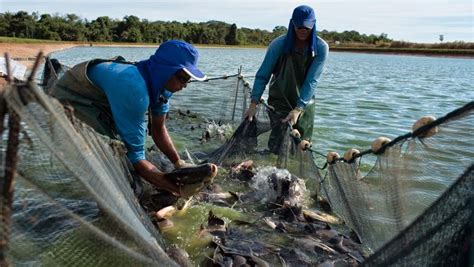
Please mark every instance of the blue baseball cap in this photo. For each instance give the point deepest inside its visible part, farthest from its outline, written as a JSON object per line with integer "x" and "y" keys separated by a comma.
{"x": 303, "y": 16}
{"x": 180, "y": 55}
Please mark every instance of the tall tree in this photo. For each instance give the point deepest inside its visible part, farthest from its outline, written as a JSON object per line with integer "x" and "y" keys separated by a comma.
{"x": 5, "y": 20}
{"x": 100, "y": 30}
{"x": 22, "y": 25}
{"x": 231, "y": 37}
{"x": 131, "y": 29}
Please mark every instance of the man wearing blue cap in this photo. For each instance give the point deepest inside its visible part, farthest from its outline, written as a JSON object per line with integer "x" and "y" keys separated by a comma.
{"x": 294, "y": 62}
{"x": 113, "y": 97}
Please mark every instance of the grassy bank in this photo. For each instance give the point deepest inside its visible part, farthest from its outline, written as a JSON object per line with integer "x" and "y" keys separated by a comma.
{"x": 356, "y": 47}
{"x": 11, "y": 40}
{"x": 409, "y": 51}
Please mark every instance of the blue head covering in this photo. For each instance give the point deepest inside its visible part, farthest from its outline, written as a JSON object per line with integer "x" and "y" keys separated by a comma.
{"x": 303, "y": 16}
{"x": 170, "y": 57}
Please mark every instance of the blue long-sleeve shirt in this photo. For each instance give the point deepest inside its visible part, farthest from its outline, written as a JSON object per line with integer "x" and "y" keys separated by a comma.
{"x": 275, "y": 50}
{"x": 128, "y": 97}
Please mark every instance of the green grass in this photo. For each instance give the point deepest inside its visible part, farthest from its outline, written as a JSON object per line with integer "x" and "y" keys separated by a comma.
{"x": 353, "y": 47}
{"x": 12, "y": 40}
{"x": 417, "y": 51}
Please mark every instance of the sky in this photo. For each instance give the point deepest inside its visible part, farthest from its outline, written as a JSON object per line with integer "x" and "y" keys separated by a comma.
{"x": 420, "y": 21}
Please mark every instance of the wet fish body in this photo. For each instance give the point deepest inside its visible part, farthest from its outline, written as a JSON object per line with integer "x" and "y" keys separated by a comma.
{"x": 192, "y": 175}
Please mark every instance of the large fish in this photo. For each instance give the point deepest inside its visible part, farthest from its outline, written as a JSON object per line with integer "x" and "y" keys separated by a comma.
{"x": 191, "y": 180}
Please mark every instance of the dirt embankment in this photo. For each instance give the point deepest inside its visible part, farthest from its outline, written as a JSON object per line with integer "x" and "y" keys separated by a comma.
{"x": 26, "y": 53}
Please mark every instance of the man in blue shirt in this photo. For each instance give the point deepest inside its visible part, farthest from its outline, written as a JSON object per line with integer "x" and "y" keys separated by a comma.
{"x": 294, "y": 62}
{"x": 113, "y": 97}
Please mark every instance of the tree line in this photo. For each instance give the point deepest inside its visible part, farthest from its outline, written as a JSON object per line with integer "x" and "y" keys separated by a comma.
{"x": 132, "y": 29}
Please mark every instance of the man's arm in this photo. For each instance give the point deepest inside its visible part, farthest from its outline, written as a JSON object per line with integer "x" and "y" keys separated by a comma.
{"x": 163, "y": 141}
{"x": 150, "y": 173}
{"x": 313, "y": 75}
{"x": 265, "y": 71}
{"x": 160, "y": 135}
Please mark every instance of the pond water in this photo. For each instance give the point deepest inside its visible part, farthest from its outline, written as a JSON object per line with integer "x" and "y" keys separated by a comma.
{"x": 360, "y": 96}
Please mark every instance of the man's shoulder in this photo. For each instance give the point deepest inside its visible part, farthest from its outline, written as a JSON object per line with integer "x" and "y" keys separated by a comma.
{"x": 121, "y": 67}
{"x": 124, "y": 72}
{"x": 322, "y": 46}
{"x": 279, "y": 41}
{"x": 276, "y": 46}
{"x": 322, "y": 43}
{"x": 117, "y": 74}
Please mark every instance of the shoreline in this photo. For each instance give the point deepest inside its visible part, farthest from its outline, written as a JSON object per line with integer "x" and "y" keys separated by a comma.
{"x": 404, "y": 52}
{"x": 26, "y": 54}
{"x": 398, "y": 53}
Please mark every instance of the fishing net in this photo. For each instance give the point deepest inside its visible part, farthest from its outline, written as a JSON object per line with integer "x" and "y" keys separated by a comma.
{"x": 226, "y": 96}
{"x": 228, "y": 139}
{"x": 440, "y": 236}
{"x": 406, "y": 177}
{"x": 74, "y": 204}
{"x": 404, "y": 181}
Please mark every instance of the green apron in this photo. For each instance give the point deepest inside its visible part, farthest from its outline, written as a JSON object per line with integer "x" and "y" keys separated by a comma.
{"x": 89, "y": 102}
{"x": 287, "y": 81}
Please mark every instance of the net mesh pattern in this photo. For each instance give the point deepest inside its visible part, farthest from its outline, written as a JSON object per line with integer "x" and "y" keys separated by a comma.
{"x": 403, "y": 182}
{"x": 67, "y": 172}
{"x": 439, "y": 237}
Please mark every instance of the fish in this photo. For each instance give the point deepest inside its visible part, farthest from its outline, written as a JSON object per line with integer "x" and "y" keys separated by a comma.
{"x": 165, "y": 212}
{"x": 225, "y": 199}
{"x": 215, "y": 226}
{"x": 193, "y": 175}
{"x": 191, "y": 180}
{"x": 180, "y": 256}
{"x": 321, "y": 216}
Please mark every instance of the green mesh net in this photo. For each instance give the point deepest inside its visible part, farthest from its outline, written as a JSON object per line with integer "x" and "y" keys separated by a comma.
{"x": 74, "y": 201}
{"x": 67, "y": 176}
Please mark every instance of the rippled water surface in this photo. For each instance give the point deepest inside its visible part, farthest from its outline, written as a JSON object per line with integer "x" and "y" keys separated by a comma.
{"x": 359, "y": 97}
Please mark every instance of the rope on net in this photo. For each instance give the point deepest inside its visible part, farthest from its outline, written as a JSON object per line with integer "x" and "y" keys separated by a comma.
{"x": 420, "y": 132}
{"x": 407, "y": 177}
{"x": 395, "y": 194}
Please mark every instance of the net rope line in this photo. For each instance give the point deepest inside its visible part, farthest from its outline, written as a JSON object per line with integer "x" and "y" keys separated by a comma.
{"x": 222, "y": 77}
{"x": 390, "y": 161}
{"x": 402, "y": 138}
{"x": 15, "y": 101}
{"x": 420, "y": 131}
{"x": 424, "y": 129}
{"x": 397, "y": 141}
